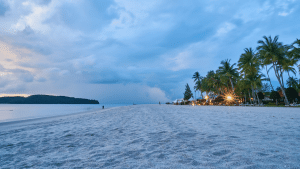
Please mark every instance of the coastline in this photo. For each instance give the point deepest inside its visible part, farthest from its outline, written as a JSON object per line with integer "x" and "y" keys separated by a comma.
{"x": 20, "y": 112}
{"x": 17, "y": 123}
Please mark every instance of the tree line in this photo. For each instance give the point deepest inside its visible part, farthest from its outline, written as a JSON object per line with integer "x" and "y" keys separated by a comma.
{"x": 45, "y": 99}
{"x": 245, "y": 78}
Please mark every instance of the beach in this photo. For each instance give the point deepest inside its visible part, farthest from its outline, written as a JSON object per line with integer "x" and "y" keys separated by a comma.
{"x": 157, "y": 136}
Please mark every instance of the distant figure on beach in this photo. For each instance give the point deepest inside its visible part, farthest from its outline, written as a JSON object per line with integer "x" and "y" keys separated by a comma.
{"x": 102, "y": 107}
{"x": 159, "y": 103}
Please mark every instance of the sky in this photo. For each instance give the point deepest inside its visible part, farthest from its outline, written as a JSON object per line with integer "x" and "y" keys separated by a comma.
{"x": 125, "y": 51}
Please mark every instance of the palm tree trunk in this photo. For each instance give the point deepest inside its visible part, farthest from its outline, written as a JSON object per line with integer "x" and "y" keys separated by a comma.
{"x": 231, "y": 84}
{"x": 257, "y": 97}
{"x": 269, "y": 78}
{"x": 249, "y": 97}
{"x": 281, "y": 76}
{"x": 253, "y": 94}
{"x": 281, "y": 86}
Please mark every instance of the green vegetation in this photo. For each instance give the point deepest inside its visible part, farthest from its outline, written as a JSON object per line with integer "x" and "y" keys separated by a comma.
{"x": 291, "y": 94}
{"x": 245, "y": 81}
{"x": 188, "y": 93}
{"x": 45, "y": 99}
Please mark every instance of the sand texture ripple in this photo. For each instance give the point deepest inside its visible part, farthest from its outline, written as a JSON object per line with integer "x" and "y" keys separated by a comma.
{"x": 157, "y": 136}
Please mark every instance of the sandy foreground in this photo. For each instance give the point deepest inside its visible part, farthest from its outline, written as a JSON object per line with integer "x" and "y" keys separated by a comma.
{"x": 157, "y": 136}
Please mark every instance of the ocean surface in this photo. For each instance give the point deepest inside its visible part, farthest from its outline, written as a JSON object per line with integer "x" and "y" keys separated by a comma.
{"x": 17, "y": 112}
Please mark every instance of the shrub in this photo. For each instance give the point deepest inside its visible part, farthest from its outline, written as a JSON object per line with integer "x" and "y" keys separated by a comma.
{"x": 260, "y": 95}
{"x": 291, "y": 94}
{"x": 270, "y": 103}
{"x": 187, "y": 103}
{"x": 219, "y": 99}
{"x": 274, "y": 95}
{"x": 267, "y": 102}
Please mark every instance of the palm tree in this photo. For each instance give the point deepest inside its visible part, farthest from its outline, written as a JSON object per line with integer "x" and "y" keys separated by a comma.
{"x": 271, "y": 52}
{"x": 249, "y": 67}
{"x": 257, "y": 83}
{"x": 206, "y": 84}
{"x": 289, "y": 61}
{"x": 248, "y": 62}
{"x": 267, "y": 70}
{"x": 289, "y": 68}
{"x": 243, "y": 86}
{"x": 292, "y": 82}
{"x": 197, "y": 78}
{"x": 198, "y": 86}
{"x": 296, "y": 50}
{"x": 228, "y": 71}
{"x": 295, "y": 53}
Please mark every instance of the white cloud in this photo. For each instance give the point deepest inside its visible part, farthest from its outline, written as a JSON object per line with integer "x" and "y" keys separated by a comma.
{"x": 258, "y": 11}
{"x": 286, "y": 13}
{"x": 135, "y": 18}
{"x": 156, "y": 94}
{"x": 36, "y": 18}
{"x": 180, "y": 62}
{"x": 199, "y": 55}
{"x": 254, "y": 10}
{"x": 224, "y": 29}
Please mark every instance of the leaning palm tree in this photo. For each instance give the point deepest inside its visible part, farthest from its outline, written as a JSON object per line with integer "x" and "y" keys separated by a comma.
{"x": 227, "y": 70}
{"x": 271, "y": 52}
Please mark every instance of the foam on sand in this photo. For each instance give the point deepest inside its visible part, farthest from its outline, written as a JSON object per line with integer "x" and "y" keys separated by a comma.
{"x": 158, "y": 136}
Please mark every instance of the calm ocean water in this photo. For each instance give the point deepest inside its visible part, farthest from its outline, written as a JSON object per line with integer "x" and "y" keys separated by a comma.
{"x": 16, "y": 112}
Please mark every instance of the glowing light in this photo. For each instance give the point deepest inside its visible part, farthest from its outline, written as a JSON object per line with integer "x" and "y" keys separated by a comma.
{"x": 206, "y": 97}
{"x": 229, "y": 97}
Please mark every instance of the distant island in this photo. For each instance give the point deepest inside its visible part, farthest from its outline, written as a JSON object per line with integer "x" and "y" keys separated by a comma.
{"x": 45, "y": 99}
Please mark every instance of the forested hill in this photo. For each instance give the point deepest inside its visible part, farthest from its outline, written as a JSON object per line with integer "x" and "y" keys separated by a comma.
{"x": 45, "y": 99}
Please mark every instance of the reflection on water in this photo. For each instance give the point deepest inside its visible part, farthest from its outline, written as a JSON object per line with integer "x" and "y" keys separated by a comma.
{"x": 15, "y": 112}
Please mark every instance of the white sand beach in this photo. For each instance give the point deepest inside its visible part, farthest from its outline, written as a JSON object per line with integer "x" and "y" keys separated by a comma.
{"x": 157, "y": 136}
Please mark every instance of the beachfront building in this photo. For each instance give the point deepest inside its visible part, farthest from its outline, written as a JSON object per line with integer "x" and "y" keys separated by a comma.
{"x": 177, "y": 101}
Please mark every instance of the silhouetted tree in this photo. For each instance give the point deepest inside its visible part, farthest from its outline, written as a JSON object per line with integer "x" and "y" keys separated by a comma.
{"x": 188, "y": 93}
{"x": 291, "y": 94}
{"x": 275, "y": 96}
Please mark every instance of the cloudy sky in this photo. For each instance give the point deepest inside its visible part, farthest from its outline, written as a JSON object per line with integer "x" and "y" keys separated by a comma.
{"x": 124, "y": 51}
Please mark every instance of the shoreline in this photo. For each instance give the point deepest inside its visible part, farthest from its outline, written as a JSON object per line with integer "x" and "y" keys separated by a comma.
{"x": 47, "y": 119}
{"x": 25, "y": 112}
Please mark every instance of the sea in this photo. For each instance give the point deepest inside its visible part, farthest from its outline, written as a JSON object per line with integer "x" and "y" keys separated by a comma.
{"x": 19, "y": 112}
